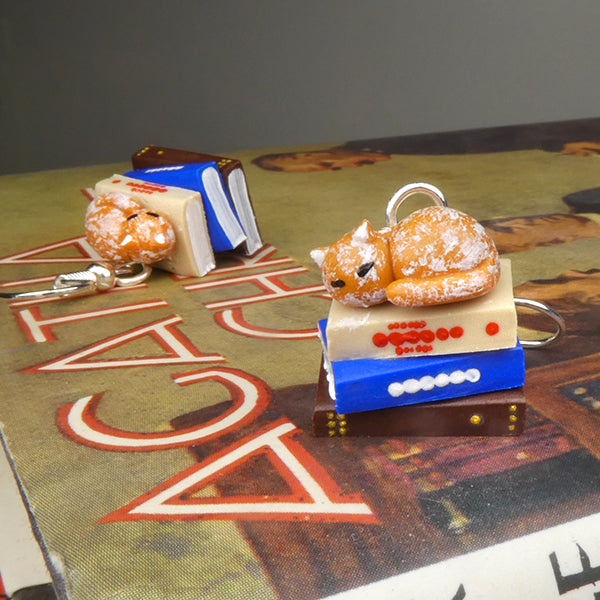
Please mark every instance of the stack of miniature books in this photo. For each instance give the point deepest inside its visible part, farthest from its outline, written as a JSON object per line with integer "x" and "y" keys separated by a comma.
{"x": 187, "y": 169}
{"x": 448, "y": 369}
{"x": 204, "y": 197}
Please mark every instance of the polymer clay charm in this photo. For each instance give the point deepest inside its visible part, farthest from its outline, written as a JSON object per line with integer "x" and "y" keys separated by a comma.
{"x": 122, "y": 231}
{"x": 436, "y": 255}
{"x": 422, "y": 312}
{"x": 357, "y": 268}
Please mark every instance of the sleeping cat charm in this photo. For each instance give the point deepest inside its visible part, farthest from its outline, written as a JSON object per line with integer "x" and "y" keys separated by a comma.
{"x": 435, "y": 255}
{"x": 357, "y": 268}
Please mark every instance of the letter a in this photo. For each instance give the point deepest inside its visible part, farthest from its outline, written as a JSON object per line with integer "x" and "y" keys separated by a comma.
{"x": 32, "y": 257}
{"x": 313, "y": 496}
{"x": 180, "y": 350}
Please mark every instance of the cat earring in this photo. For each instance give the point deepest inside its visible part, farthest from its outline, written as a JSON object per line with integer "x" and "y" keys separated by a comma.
{"x": 439, "y": 200}
{"x": 127, "y": 237}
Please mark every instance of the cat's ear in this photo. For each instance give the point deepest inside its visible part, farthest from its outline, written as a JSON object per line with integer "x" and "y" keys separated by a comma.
{"x": 363, "y": 234}
{"x": 318, "y": 255}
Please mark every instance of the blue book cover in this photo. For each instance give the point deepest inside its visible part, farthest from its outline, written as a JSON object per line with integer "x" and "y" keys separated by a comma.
{"x": 224, "y": 227}
{"x": 370, "y": 383}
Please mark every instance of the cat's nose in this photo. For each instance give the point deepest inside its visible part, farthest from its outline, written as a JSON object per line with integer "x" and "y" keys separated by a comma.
{"x": 338, "y": 283}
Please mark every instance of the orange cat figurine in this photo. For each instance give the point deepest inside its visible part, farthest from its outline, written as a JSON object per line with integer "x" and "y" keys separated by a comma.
{"x": 435, "y": 255}
{"x": 357, "y": 268}
{"x": 122, "y": 231}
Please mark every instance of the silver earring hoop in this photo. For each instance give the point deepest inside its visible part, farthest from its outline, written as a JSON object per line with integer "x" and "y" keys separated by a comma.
{"x": 408, "y": 190}
{"x": 549, "y": 312}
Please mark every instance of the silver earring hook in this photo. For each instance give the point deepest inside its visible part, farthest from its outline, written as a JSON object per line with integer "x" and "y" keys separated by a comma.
{"x": 549, "y": 312}
{"x": 97, "y": 277}
{"x": 408, "y": 190}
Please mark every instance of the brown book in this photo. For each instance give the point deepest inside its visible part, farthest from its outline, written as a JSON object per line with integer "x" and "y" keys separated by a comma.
{"x": 233, "y": 175}
{"x": 491, "y": 414}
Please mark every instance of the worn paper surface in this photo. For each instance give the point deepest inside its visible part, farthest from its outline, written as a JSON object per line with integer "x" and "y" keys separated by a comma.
{"x": 162, "y": 434}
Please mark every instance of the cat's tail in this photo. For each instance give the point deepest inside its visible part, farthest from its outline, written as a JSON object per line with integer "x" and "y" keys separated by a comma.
{"x": 446, "y": 288}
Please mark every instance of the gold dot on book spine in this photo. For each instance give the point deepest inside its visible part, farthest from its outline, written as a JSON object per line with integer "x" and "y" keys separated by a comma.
{"x": 513, "y": 408}
{"x": 476, "y": 420}
{"x": 511, "y": 427}
{"x": 330, "y": 416}
{"x": 343, "y": 431}
{"x": 512, "y": 418}
{"x": 331, "y": 424}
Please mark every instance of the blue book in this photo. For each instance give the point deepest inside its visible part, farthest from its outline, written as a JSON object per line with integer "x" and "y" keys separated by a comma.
{"x": 372, "y": 383}
{"x": 224, "y": 228}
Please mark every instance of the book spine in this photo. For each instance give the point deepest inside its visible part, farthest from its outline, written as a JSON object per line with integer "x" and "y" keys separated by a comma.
{"x": 476, "y": 420}
{"x": 491, "y": 414}
{"x": 158, "y": 156}
{"x": 369, "y": 384}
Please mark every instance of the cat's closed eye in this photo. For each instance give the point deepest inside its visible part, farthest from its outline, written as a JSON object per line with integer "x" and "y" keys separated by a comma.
{"x": 364, "y": 269}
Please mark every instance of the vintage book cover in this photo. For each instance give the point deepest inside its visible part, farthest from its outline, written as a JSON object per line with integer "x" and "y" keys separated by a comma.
{"x": 162, "y": 434}
{"x": 21, "y": 563}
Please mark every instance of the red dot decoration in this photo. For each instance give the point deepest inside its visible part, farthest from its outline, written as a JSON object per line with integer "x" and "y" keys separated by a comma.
{"x": 427, "y": 336}
{"x": 492, "y": 328}
{"x": 380, "y": 340}
{"x": 457, "y": 332}
{"x": 442, "y": 334}
{"x": 396, "y": 338}
{"x": 412, "y": 337}
{"x": 404, "y": 339}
